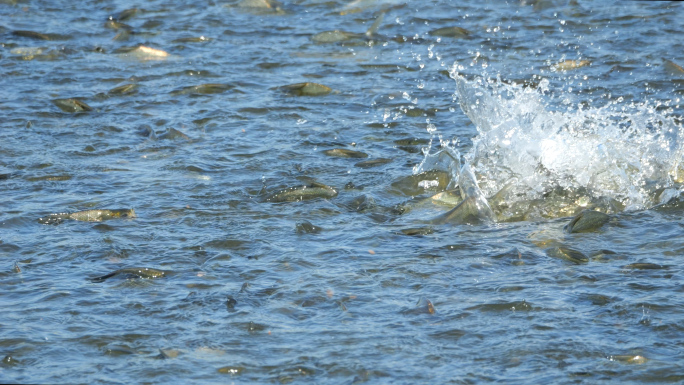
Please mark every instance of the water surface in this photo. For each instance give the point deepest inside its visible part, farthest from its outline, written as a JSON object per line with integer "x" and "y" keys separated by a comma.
{"x": 362, "y": 285}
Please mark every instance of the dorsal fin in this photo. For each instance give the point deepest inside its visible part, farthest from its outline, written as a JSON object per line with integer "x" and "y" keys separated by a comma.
{"x": 376, "y": 25}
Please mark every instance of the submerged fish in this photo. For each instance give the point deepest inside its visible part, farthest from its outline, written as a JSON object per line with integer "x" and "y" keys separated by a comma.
{"x": 203, "y": 89}
{"x": 335, "y": 36}
{"x": 456, "y": 32}
{"x": 101, "y": 215}
{"x": 645, "y": 266}
{"x": 629, "y": 359}
{"x": 373, "y": 163}
{"x": 125, "y": 89}
{"x": 338, "y": 36}
{"x": 132, "y": 272}
{"x": 27, "y": 52}
{"x": 413, "y": 231}
{"x": 172, "y": 133}
{"x": 115, "y": 25}
{"x": 89, "y": 216}
{"x": 271, "y": 7}
{"x": 412, "y": 141}
{"x": 301, "y": 193}
{"x": 123, "y": 35}
{"x": 357, "y": 6}
{"x": 127, "y": 14}
{"x": 567, "y": 65}
{"x": 200, "y": 39}
{"x": 344, "y": 153}
{"x": 71, "y": 105}
{"x": 40, "y": 36}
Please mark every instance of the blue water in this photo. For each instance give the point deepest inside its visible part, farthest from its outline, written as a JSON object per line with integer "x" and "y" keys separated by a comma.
{"x": 382, "y": 293}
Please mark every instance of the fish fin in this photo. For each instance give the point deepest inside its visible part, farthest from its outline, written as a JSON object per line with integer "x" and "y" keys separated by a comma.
{"x": 376, "y": 25}
{"x": 465, "y": 212}
{"x": 470, "y": 189}
{"x": 103, "y": 278}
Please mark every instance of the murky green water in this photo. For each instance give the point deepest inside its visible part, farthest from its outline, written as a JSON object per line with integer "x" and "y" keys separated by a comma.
{"x": 291, "y": 227}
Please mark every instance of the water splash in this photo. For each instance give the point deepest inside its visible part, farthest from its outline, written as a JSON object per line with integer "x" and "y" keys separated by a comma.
{"x": 534, "y": 159}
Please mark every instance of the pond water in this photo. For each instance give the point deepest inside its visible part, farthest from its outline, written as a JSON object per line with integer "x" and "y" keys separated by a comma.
{"x": 283, "y": 163}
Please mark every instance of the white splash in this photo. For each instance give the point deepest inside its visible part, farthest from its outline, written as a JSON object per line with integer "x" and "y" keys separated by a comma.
{"x": 618, "y": 157}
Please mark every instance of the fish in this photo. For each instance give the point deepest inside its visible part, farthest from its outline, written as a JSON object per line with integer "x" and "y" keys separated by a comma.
{"x": 123, "y": 35}
{"x": 424, "y": 306}
{"x": 168, "y": 353}
{"x": 334, "y": 36}
{"x": 40, "y": 36}
{"x": 568, "y": 65}
{"x": 413, "y": 231}
{"x": 71, "y": 105}
{"x": 28, "y": 53}
{"x": 142, "y": 53}
{"x": 586, "y": 221}
{"x": 133, "y": 272}
{"x": 127, "y": 14}
{"x": 100, "y": 215}
{"x": 115, "y": 25}
{"x": 629, "y": 359}
{"x": 357, "y": 6}
{"x": 455, "y": 32}
{"x": 466, "y": 212}
{"x": 125, "y": 89}
{"x": 200, "y": 39}
{"x": 270, "y": 7}
{"x": 306, "y": 89}
{"x": 306, "y": 227}
{"x": 301, "y": 193}
{"x": 474, "y": 208}
{"x": 232, "y": 370}
{"x": 447, "y": 198}
{"x": 645, "y": 266}
{"x": 432, "y": 180}
{"x": 172, "y": 133}
{"x": 88, "y": 216}
{"x": 361, "y": 203}
{"x": 373, "y": 163}
{"x": 338, "y": 36}
{"x": 344, "y": 153}
{"x": 567, "y": 254}
{"x": 203, "y": 89}
{"x": 412, "y": 141}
